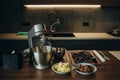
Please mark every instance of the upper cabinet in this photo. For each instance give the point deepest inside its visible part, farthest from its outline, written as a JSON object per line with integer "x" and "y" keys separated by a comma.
{"x": 102, "y": 2}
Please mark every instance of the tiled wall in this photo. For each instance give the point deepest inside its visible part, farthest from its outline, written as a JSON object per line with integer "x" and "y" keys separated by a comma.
{"x": 72, "y": 19}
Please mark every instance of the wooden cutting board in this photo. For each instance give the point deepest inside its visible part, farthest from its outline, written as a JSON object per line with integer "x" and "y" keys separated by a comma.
{"x": 76, "y": 52}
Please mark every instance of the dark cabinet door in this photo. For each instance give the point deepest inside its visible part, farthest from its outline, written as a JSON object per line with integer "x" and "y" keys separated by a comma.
{"x": 13, "y": 44}
{"x": 10, "y": 14}
{"x": 87, "y": 44}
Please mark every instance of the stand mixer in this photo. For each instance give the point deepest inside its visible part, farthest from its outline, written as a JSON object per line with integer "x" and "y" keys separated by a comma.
{"x": 40, "y": 47}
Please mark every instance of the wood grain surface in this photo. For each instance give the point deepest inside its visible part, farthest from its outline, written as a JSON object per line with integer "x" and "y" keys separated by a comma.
{"x": 110, "y": 70}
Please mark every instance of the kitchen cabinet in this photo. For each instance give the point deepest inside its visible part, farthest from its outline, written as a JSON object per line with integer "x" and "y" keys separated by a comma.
{"x": 13, "y": 44}
{"x": 102, "y": 2}
{"x": 98, "y": 41}
{"x": 10, "y": 14}
{"x": 88, "y": 44}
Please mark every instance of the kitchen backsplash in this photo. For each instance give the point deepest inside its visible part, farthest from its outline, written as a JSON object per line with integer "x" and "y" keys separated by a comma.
{"x": 71, "y": 19}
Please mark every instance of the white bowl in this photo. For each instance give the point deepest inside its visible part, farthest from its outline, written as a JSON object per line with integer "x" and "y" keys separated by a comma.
{"x": 53, "y": 68}
{"x": 86, "y": 73}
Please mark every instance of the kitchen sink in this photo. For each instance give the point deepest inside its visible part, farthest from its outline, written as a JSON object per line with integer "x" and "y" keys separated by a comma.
{"x": 59, "y": 35}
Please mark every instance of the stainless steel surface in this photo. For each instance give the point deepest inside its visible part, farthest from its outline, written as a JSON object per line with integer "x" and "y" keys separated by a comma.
{"x": 36, "y": 31}
{"x": 41, "y": 48}
{"x": 52, "y": 28}
{"x": 53, "y": 19}
{"x": 42, "y": 57}
{"x": 58, "y": 52}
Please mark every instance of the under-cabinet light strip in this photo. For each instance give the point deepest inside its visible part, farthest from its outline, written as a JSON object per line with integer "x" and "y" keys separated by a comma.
{"x": 63, "y": 6}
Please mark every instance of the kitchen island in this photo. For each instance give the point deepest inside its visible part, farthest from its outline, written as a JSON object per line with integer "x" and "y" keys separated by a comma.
{"x": 89, "y": 36}
{"x": 101, "y": 41}
{"x": 110, "y": 70}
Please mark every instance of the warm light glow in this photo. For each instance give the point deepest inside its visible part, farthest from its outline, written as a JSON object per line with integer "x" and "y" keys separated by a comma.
{"x": 63, "y": 6}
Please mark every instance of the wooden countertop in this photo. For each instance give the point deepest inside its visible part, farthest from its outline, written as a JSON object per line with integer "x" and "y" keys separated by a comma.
{"x": 14, "y": 36}
{"x": 110, "y": 70}
{"x": 93, "y": 35}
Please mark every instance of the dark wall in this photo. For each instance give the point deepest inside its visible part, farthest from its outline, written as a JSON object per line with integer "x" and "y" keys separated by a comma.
{"x": 10, "y": 15}
{"x": 15, "y": 17}
{"x": 72, "y": 19}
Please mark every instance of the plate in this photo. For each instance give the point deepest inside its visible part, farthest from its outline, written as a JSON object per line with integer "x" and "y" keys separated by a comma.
{"x": 94, "y": 68}
{"x": 60, "y": 72}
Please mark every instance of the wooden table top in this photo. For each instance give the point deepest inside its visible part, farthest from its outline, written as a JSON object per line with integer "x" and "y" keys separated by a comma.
{"x": 110, "y": 70}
